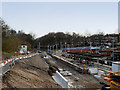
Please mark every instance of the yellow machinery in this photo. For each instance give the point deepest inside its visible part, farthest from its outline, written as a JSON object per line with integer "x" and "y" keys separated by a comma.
{"x": 115, "y": 85}
{"x": 114, "y": 79}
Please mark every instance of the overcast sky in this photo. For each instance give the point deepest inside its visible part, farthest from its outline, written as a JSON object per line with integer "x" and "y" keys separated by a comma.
{"x": 43, "y": 17}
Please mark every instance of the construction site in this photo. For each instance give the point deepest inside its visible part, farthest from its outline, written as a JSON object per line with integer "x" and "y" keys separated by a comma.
{"x": 62, "y": 66}
{"x": 59, "y": 45}
{"x": 61, "y": 69}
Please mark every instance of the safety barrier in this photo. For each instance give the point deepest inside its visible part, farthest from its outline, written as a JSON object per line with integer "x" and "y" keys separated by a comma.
{"x": 60, "y": 80}
{"x": 5, "y": 65}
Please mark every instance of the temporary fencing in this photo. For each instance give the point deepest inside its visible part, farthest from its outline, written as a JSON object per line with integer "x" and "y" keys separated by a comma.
{"x": 5, "y": 65}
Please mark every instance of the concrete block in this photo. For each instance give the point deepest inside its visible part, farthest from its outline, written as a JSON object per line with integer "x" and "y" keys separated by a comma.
{"x": 93, "y": 70}
{"x": 115, "y": 66}
{"x": 60, "y": 80}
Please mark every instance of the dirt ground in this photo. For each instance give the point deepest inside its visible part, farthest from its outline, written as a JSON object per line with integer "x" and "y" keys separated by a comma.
{"x": 29, "y": 73}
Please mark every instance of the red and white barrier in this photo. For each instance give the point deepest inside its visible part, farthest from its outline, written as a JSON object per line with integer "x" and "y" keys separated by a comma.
{"x": 17, "y": 58}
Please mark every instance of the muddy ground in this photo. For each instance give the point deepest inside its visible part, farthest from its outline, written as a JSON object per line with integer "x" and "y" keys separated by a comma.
{"x": 29, "y": 73}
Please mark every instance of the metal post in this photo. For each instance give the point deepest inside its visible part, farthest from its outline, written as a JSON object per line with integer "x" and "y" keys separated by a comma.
{"x": 68, "y": 47}
{"x": 65, "y": 47}
{"x": 113, "y": 50}
{"x": 90, "y": 50}
{"x": 61, "y": 45}
{"x": 84, "y": 41}
{"x": 53, "y": 48}
{"x": 39, "y": 45}
{"x": 72, "y": 44}
{"x": 78, "y": 44}
{"x": 48, "y": 47}
{"x": 56, "y": 47}
{"x": 90, "y": 46}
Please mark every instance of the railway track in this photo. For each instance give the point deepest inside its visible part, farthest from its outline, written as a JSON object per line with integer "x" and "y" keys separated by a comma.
{"x": 75, "y": 78}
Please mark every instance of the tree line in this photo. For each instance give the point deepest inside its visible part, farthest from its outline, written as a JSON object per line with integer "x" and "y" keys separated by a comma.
{"x": 11, "y": 40}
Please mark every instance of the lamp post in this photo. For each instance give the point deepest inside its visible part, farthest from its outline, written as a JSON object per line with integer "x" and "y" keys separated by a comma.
{"x": 113, "y": 49}
{"x": 72, "y": 43}
{"x": 84, "y": 41}
{"x": 56, "y": 47}
{"x": 68, "y": 47}
{"x": 53, "y": 48}
{"x": 61, "y": 45}
{"x": 90, "y": 47}
{"x": 78, "y": 44}
{"x": 39, "y": 45}
{"x": 50, "y": 48}
{"x": 65, "y": 48}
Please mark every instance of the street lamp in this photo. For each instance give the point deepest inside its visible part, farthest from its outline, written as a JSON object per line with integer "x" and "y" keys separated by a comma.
{"x": 53, "y": 48}
{"x": 68, "y": 47}
{"x": 56, "y": 47}
{"x": 72, "y": 43}
{"x": 84, "y": 41}
{"x": 113, "y": 50}
{"x": 61, "y": 45}
{"x": 90, "y": 46}
{"x": 65, "y": 47}
{"x": 50, "y": 48}
{"x": 39, "y": 46}
{"x": 78, "y": 44}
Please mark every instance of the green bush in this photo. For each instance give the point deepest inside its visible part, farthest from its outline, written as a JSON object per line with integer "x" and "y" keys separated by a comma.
{"x": 10, "y": 44}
